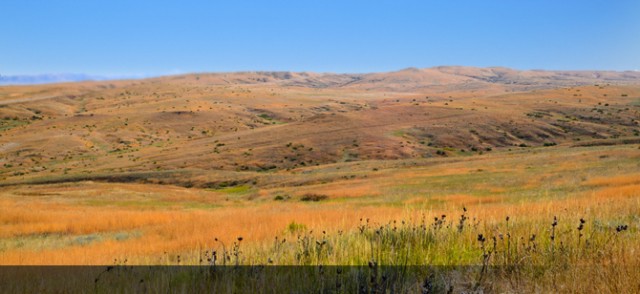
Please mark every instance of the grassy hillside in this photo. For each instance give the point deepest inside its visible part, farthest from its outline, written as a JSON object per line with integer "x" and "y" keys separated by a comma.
{"x": 282, "y": 121}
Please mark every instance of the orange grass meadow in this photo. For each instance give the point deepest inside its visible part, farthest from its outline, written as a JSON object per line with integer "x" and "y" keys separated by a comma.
{"x": 90, "y": 223}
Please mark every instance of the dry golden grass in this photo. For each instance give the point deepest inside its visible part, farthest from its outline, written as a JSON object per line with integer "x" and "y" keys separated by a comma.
{"x": 633, "y": 179}
{"x": 91, "y": 223}
{"x": 161, "y": 231}
{"x": 48, "y": 224}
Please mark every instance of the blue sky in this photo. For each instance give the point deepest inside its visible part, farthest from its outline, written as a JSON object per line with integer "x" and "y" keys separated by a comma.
{"x": 127, "y": 37}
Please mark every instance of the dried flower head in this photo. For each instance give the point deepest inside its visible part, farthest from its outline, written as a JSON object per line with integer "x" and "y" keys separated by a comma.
{"x": 621, "y": 228}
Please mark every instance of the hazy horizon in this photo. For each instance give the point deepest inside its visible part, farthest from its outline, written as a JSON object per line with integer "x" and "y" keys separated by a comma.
{"x": 50, "y": 78}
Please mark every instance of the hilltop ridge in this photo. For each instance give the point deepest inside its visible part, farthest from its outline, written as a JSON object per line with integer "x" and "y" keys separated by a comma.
{"x": 410, "y": 79}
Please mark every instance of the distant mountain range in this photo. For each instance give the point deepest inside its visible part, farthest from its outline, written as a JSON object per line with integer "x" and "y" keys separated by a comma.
{"x": 47, "y": 78}
{"x": 58, "y": 78}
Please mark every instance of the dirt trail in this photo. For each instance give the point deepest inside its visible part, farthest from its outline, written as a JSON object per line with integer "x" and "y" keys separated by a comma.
{"x": 7, "y": 146}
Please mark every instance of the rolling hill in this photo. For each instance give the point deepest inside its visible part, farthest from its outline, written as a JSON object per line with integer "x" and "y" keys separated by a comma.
{"x": 210, "y": 129}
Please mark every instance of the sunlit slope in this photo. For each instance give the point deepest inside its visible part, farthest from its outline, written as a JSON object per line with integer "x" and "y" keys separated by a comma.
{"x": 202, "y": 123}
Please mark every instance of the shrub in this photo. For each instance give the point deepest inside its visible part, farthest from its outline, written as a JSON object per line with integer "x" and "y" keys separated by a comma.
{"x": 313, "y": 197}
{"x": 294, "y": 227}
{"x": 282, "y": 197}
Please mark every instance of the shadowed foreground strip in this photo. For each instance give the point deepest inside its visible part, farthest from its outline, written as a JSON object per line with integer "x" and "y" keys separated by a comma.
{"x": 276, "y": 279}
